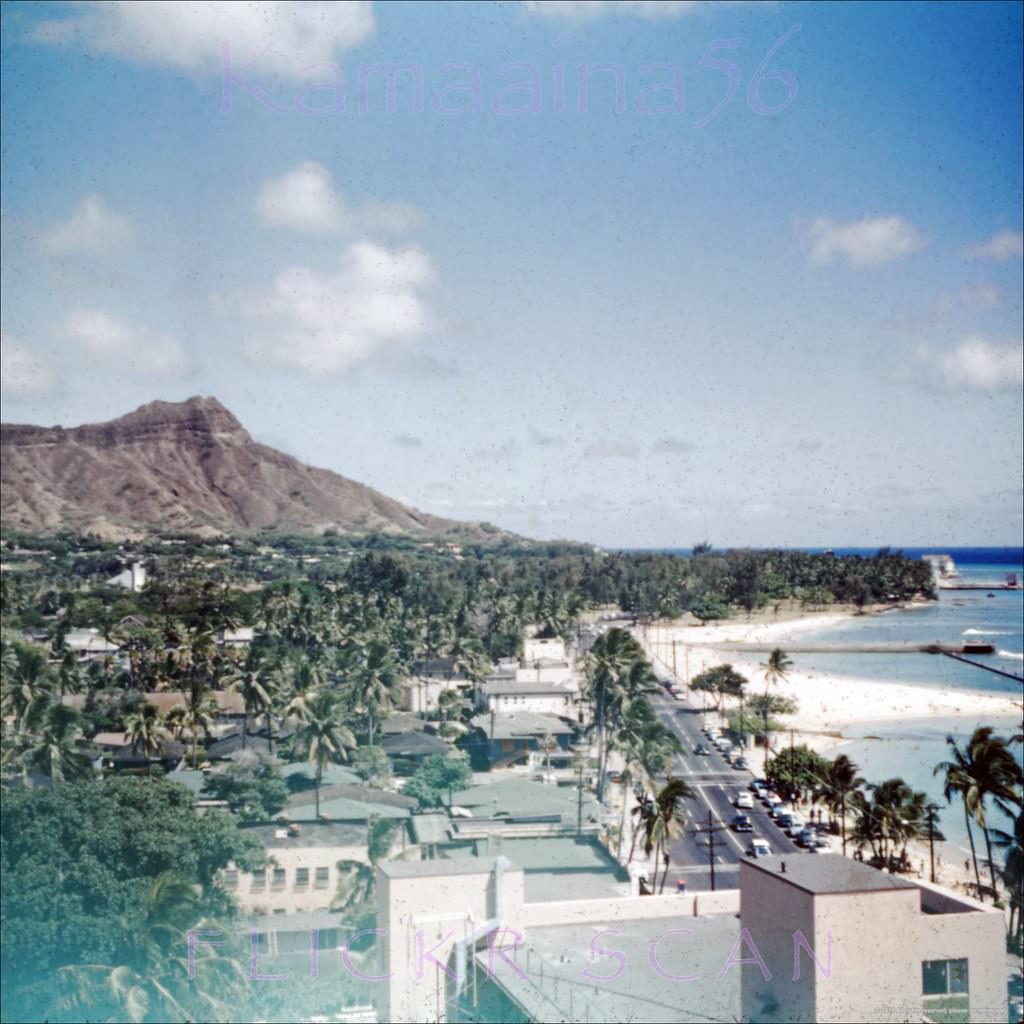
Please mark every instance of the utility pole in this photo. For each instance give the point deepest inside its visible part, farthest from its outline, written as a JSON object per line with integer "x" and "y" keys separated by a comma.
{"x": 675, "y": 672}
{"x": 743, "y": 730}
{"x": 711, "y": 829}
{"x": 931, "y": 809}
{"x": 579, "y": 800}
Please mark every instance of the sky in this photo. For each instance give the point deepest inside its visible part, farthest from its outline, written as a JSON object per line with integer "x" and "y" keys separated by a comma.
{"x": 639, "y": 274}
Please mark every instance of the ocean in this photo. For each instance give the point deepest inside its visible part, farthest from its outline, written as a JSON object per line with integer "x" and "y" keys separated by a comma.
{"x": 911, "y": 749}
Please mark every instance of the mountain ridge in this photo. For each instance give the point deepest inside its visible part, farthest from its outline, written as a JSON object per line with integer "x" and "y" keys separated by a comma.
{"x": 190, "y": 467}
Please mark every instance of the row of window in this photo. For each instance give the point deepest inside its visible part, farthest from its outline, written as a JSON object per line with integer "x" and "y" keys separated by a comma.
{"x": 278, "y": 879}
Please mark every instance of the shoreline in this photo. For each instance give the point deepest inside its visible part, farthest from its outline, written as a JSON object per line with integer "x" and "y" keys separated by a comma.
{"x": 827, "y": 705}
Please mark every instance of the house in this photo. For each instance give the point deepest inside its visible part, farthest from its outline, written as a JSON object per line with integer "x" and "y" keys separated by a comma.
{"x": 502, "y": 738}
{"x": 133, "y": 758}
{"x": 537, "y": 648}
{"x": 241, "y": 637}
{"x": 409, "y": 750}
{"x": 90, "y": 644}
{"x": 133, "y": 578}
{"x": 496, "y": 694}
{"x": 429, "y": 679}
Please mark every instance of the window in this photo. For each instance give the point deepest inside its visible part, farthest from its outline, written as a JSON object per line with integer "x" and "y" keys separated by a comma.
{"x": 231, "y": 878}
{"x": 944, "y": 986}
{"x": 278, "y": 878}
{"x": 301, "y": 878}
{"x": 322, "y": 877}
{"x": 259, "y": 881}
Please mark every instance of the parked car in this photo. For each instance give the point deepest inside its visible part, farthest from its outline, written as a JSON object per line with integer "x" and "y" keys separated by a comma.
{"x": 756, "y": 784}
{"x": 744, "y": 801}
{"x": 740, "y": 764}
{"x": 742, "y": 823}
{"x": 807, "y": 838}
{"x": 784, "y": 819}
{"x": 796, "y": 826}
{"x": 723, "y": 744}
{"x": 758, "y": 848}
{"x": 822, "y": 845}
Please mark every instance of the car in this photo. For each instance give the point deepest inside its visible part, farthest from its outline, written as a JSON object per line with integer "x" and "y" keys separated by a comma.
{"x": 757, "y": 787}
{"x": 744, "y": 801}
{"x": 796, "y": 826}
{"x": 722, "y": 743}
{"x": 701, "y": 751}
{"x": 807, "y": 838}
{"x": 742, "y": 823}
{"x": 758, "y": 848}
{"x": 822, "y": 845}
{"x": 740, "y": 764}
{"x": 756, "y": 784}
{"x": 783, "y": 819}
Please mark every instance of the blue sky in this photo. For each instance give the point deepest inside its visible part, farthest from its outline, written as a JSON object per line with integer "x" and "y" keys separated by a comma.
{"x": 575, "y": 316}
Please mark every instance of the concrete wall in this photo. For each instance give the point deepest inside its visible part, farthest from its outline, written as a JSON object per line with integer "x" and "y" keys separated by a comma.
{"x": 534, "y": 649}
{"x": 543, "y": 703}
{"x": 413, "y": 922}
{"x": 289, "y": 898}
{"x": 878, "y": 942}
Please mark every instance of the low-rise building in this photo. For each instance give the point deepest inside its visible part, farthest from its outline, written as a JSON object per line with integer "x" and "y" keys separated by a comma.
{"x": 884, "y": 947}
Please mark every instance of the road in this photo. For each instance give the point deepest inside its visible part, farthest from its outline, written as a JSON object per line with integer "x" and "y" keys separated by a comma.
{"x": 716, "y": 783}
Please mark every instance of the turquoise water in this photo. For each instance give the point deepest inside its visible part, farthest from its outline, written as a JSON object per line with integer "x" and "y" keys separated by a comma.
{"x": 911, "y": 749}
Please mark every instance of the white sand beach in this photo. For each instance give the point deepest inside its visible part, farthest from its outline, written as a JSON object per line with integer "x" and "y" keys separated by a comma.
{"x": 827, "y": 704}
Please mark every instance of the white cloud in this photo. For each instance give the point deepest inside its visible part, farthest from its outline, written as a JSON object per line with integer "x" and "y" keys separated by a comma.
{"x": 976, "y": 364}
{"x": 128, "y": 346}
{"x": 92, "y": 227}
{"x": 24, "y": 373}
{"x": 1002, "y": 246}
{"x": 582, "y": 10}
{"x": 329, "y": 323}
{"x": 862, "y": 243}
{"x": 282, "y": 37}
{"x": 305, "y": 199}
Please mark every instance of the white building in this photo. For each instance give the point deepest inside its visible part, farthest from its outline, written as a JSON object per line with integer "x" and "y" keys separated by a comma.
{"x": 543, "y": 648}
{"x": 133, "y": 578}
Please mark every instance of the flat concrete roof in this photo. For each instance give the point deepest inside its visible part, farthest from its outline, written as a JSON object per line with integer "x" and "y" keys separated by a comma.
{"x": 550, "y": 985}
{"x": 826, "y": 873}
{"x": 439, "y": 868}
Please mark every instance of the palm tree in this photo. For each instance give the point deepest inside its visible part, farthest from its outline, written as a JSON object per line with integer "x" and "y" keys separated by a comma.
{"x": 887, "y": 821}
{"x": 146, "y": 730}
{"x": 776, "y": 670}
{"x": 51, "y": 743}
{"x": 984, "y": 768}
{"x": 842, "y": 782}
{"x": 321, "y": 736}
{"x": 27, "y": 683}
{"x": 373, "y": 683}
{"x": 610, "y": 661}
{"x": 665, "y": 824}
{"x": 256, "y": 691}
{"x": 152, "y": 979}
{"x": 1013, "y": 873}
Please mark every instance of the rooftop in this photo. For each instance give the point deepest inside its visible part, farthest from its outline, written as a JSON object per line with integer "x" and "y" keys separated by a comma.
{"x": 825, "y": 874}
{"x": 310, "y": 835}
{"x": 437, "y": 868}
{"x": 627, "y": 987}
{"x": 507, "y": 725}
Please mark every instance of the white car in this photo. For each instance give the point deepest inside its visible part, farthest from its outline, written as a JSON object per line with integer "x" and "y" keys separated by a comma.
{"x": 758, "y": 848}
{"x": 796, "y": 826}
{"x": 744, "y": 801}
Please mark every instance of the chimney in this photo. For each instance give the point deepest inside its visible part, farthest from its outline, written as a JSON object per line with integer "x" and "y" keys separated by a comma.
{"x": 782, "y": 867}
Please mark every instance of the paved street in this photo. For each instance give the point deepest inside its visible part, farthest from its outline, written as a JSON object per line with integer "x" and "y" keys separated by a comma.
{"x": 716, "y": 784}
